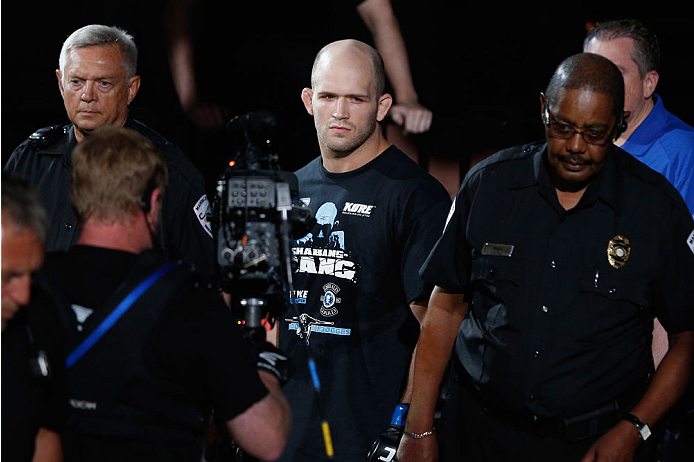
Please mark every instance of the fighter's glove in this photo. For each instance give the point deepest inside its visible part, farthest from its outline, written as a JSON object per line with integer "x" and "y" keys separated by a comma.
{"x": 273, "y": 360}
{"x": 386, "y": 445}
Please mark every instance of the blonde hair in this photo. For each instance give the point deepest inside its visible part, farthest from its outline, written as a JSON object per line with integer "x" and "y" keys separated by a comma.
{"x": 114, "y": 171}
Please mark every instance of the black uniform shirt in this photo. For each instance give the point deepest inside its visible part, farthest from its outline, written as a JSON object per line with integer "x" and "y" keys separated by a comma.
{"x": 186, "y": 232}
{"x": 553, "y": 327}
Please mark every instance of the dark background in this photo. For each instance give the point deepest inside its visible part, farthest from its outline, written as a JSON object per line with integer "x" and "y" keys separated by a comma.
{"x": 479, "y": 73}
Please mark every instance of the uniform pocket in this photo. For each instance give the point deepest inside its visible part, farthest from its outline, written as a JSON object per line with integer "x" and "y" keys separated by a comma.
{"x": 496, "y": 271}
{"x": 500, "y": 282}
{"x": 616, "y": 285}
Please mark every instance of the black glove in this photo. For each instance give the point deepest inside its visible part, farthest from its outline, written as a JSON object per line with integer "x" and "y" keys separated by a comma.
{"x": 273, "y": 360}
{"x": 386, "y": 445}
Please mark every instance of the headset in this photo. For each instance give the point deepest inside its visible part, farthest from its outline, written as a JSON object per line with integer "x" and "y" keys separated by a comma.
{"x": 145, "y": 200}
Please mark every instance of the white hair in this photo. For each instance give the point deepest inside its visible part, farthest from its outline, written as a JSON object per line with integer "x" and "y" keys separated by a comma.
{"x": 99, "y": 35}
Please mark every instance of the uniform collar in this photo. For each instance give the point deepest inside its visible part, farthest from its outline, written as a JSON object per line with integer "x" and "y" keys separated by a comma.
{"x": 528, "y": 175}
{"x": 64, "y": 146}
{"x": 605, "y": 186}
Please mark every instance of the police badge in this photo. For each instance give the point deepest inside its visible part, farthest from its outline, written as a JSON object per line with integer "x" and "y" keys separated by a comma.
{"x": 618, "y": 250}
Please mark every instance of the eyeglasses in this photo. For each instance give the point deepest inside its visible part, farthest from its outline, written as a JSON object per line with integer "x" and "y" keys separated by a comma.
{"x": 566, "y": 132}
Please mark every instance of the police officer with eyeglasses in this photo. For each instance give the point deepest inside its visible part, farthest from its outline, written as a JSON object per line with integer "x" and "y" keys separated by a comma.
{"x": 555, "y": 260}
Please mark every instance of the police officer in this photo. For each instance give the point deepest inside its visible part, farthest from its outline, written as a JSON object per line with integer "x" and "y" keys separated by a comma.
{"x": 149, "y": 350}
{"x": 553, "y": 264}
{"x": 97, "y": 80}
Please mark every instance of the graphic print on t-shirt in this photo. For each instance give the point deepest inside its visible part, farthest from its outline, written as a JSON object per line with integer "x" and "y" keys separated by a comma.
{"x": 322, "y": 252}
{"x": 314, "y": 325}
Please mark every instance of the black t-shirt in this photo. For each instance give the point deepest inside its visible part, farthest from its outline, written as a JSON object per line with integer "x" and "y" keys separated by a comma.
{"x": 31, "y": 400}
{"x": 562, "y": 301}
{"x": 356, "y": 275}
{"x": 197, "y": 346}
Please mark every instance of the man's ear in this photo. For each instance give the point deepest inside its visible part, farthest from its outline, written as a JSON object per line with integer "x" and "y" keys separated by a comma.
{"x": 60, "y": 80}
{"x": 384, "y": 104}
{"x": 307, "y": 98}
{"x": 133, "y": 88}
{"x": 543, "y": 107}
{"x": 153, "y": 208}
{"x": 650, "y": 81}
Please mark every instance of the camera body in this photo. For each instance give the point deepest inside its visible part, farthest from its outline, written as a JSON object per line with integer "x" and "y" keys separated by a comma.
{"x": 256, "y": 213}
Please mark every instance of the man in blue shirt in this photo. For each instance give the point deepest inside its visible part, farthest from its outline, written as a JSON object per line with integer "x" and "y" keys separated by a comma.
{"x": 654, "y": 136}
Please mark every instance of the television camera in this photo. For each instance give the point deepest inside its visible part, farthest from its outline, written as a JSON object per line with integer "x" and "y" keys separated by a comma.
{"x": 256, "y": 213}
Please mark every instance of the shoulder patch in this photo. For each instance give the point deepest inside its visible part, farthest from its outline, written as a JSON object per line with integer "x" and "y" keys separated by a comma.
{"x": 451, "y": 211}
{"x": 690, "y": 241}
{"x": 202, "y": 212}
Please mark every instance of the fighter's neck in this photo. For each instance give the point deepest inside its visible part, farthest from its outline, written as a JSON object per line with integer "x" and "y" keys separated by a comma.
{"x": 340, "y": 162}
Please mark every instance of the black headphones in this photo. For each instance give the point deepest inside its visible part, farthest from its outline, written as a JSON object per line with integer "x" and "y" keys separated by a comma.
{"x": 145, "y": 202}
{"x": 622, "y": 124}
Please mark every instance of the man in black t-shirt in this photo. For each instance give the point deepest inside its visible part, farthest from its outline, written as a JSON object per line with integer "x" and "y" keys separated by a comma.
{"x": 555, "y": 259}
{"x": 34, "y": 407}
{"x": 357, "y": 295}
{"x": 149, "y": 350}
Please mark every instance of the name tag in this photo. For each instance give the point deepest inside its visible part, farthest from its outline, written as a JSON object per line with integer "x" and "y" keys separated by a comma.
{"x": 499, "y": 250}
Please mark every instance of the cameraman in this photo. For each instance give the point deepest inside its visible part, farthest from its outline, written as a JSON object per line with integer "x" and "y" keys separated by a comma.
{"x": 147, "y": 363}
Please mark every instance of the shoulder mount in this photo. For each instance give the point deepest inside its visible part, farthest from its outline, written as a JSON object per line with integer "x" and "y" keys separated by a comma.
{"x": 44, "y": 137}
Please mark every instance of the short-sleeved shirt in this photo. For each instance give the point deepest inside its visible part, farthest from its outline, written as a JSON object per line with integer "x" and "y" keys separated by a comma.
{"x": 186, "y": 231}
{"x": 666, "y": 144}
{"x": 197, "y": 346}
{"x": 562, "y": 301}
{"x": 356, "y": 275}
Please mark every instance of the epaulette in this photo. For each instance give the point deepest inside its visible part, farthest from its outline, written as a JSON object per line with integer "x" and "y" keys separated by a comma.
{"x": 44, "y": 137}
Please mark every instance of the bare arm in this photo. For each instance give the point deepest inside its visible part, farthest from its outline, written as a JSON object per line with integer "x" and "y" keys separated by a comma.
{"x": 47, "y": 446}
{"x": 262, "y": 430}
{"x": 443, "y": 317}
{"x": 419, "y": 308}
{"x": 181, "y": 56}
{"x": 668, "y": 385}
{"x": 273, "y": 335}
{"x": 660, "y": 342}
{"x": 381, "y": 21}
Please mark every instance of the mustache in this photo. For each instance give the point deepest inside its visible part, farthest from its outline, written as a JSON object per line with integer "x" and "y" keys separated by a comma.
{"x": 575, "y": 159}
